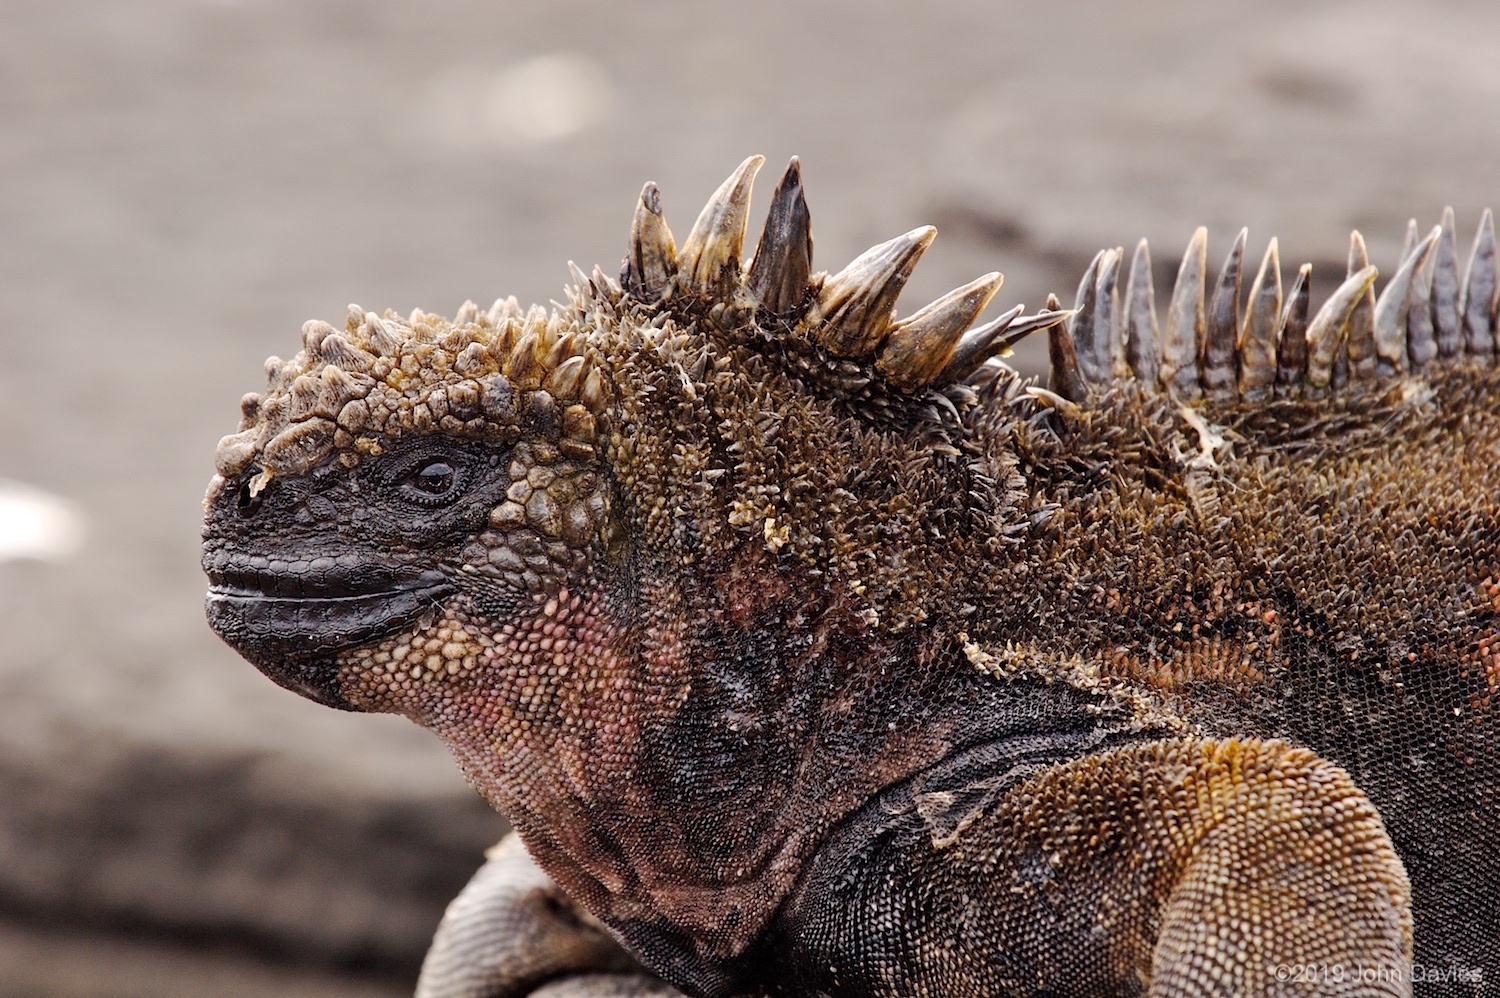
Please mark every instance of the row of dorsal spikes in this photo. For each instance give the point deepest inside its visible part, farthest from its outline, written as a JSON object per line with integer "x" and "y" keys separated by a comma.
{"x": 1228, "y": 346}
{"x": 850, "y": 314}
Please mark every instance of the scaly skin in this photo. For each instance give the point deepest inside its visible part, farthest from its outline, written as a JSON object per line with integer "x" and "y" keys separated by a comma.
{"x": 813, "y": 654}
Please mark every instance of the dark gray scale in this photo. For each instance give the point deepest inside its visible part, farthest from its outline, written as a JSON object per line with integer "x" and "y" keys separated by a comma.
{"x": 1142, "y": 335}
{"x": 1095, "y": 327}
{"x": 1339, "y": 375}
{"x": 1064, "y": 376}
{"x": 1089, "y": 347}
{"x": 782, "y": 266}
{"x": 1445, "y": 318}
{"x": 1109, "y": 325}
{"x": 1291, "y": 341}
{"x": 1263, "y": 316}
{"x": 1421, "y": 342}
{"x": 1477, "y": 303}
{"x": 1218, "y": 365}
{"x": 1183, "y": 336}
{"x": 1359, "y": 329}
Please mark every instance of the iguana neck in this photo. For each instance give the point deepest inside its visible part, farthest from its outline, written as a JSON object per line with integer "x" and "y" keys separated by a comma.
{"x": 678, "y": 771}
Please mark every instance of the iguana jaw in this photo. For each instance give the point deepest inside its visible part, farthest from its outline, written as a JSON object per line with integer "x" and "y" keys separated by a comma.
{"x": 291, "y": 620}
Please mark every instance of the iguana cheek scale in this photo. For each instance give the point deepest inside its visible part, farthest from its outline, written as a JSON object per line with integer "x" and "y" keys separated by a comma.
{"x": 815, "y": 651}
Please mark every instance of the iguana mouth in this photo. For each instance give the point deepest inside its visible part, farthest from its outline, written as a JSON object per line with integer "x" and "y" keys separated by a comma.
{"x": 290, "y": 619}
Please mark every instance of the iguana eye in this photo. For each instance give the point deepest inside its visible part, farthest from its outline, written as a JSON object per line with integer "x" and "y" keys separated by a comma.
{"x": 434, "y": 478}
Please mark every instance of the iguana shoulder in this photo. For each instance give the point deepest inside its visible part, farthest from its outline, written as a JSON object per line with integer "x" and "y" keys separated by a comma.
{"x": 691, "y": 570}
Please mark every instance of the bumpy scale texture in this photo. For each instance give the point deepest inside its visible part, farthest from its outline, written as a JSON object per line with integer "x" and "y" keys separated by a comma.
{"x": 812, "y": 650}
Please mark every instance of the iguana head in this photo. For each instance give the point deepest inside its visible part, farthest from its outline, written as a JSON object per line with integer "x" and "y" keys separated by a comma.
{"x": 415, "y": 502}
{"x": 393, "y": 473}
{"x": 659, "y": 542}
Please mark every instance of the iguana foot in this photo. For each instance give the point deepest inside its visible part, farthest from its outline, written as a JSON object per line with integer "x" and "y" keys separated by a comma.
{"x": 513, "y": 932}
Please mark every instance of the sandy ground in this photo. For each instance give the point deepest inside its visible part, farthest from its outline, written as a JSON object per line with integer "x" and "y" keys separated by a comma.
{"x": 182, "y": 183}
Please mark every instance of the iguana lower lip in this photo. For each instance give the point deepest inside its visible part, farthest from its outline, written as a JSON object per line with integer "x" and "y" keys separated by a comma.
{"x": 291, "y": 624}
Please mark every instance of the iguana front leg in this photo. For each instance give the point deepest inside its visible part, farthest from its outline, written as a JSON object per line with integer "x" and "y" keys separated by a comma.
{"x": 1169, "y": 869}
{"x": 512, "y": 932}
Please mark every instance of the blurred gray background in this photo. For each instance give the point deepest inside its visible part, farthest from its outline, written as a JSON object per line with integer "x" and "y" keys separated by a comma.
{"x": 183, "y": 182}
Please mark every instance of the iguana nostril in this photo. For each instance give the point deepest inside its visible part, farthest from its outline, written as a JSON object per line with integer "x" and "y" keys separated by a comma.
{"x": 248, "y": 500}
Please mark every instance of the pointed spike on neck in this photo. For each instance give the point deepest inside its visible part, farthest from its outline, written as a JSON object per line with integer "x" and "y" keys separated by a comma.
{"x": 1477, "y": 300}
{"x": 1217, "y": 371}
{"x": 854, "y": 307}
{"x": 1184, "y": 330}
{"x": 1141, "y": 331}
{"x": 1359, "y": 330}
{"x": 1446, "y": 326}
{"x": 1028, "y": 324}
{"x": 979, "y": 345}
{"x": 1009, "y": 329}
{"x": 1257, "y": 343}
{"x": 1091, "y": 362}
{"x": 1329, "y": 327}
{"x": 651, "y": 260}
{"x": 1063, "y": 376}
{"x": 709, "y": 261}
{"x": 1393, "y": 307}
{"x": 1109, "y": 323}
{"x": 783, "y": 257}
{"x": 1359, "y": 256}
{"x": 921, "y": 345}
{"x": 1291, "y": 337}
{"x": 1421, "y": 343}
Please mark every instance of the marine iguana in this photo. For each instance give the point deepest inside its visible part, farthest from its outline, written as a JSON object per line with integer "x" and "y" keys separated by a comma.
{"x": 813, "y": 650}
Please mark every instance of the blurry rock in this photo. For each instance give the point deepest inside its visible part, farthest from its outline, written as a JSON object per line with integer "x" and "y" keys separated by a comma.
{"x": 62, "y": 962}
{"x": 238, "y": 851}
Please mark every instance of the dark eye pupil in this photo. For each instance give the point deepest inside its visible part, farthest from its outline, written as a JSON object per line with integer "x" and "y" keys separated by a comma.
{"x": 436, "y": 478}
